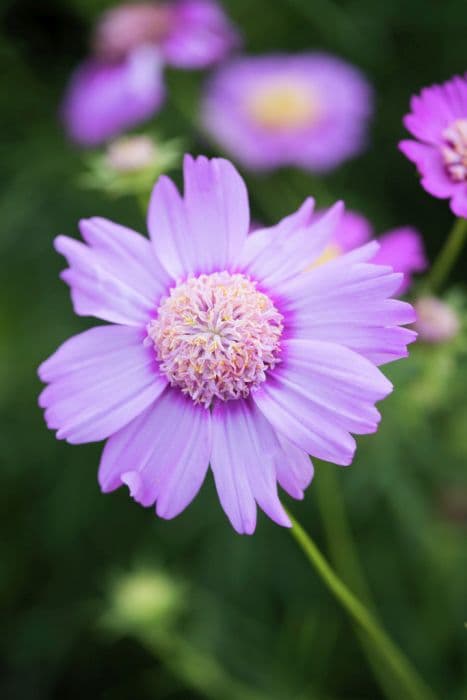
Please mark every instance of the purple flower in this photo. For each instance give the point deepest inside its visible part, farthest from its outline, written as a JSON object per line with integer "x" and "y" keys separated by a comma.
{"x": 106, "y": 99}
{"x": 438, "y": 121}
{"x": 309, "y": 110}
{"x": 188, "y": 33}
{"x": 219, "y": 351}
{"x": 121, "y": 85}
{"x": 401, "y": 248}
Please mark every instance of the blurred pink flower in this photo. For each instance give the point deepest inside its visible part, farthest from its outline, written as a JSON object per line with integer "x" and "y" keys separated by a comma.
{"x": 437, "y": 322}
{"x": 188, "y": 33}
{"x": 438, "y": 121}
{"x": 402, "y": 248}
{"x": 121, "y": 85}
{"x": 308, "y": 110}
{"x": 106, "y": 99}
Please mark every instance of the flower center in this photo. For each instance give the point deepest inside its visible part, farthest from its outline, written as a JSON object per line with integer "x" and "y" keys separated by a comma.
{"x": 454, "y": 150}
{"x": 284, "y": 106}
{"x": 216, "y": 336}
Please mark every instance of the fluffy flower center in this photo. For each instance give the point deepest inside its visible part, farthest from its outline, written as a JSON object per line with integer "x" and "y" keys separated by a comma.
{"x": 455, "y": 150}
{"x": 284, "y": 106}
{"x": 216, "y": 336}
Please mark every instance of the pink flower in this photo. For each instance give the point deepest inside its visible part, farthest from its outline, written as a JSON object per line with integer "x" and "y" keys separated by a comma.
{"x": 121, "y": 84}
{"x": 308, "y": 110}
{"x": 187, "y": 33}
{"x": 438, "y": 121}
{"x": 221, "y": 349}
{"x": 106, "y": 99}
{"x": 437, "y": 322}
{"x": 401, "y": 248}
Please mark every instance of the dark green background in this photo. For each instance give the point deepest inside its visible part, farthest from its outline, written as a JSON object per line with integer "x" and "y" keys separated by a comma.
{"x": 253, "y": 605}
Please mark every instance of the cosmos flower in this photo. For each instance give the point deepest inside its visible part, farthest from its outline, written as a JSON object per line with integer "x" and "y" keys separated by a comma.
{"x": 121, "y": 84}
{"x": 438, "y": 121}
{"x": 401, "y": 248}
{"x": 106, "y": 99}
{"x": 219, "y": 352}
{"x": 187, "y": 33}
{"x": 308, "y": 110}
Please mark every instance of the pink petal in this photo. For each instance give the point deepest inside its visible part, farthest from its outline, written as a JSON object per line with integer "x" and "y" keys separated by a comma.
{"x": 430, "y": 166}
{"x": 350, "y": 305}
{"x": 403, "y": 250}
{"x": 245, "y": 452}
{"x": 459, "y": 201}
{"x": 278, "y": 254}
{"x": 105, "y": 99}
{"x": 200, "y": 34}
{"x": 319, "y": 394}
{"x": 99, "y": 381}
{"x": 294, "y": 469}
{"x": 116, "y": 277}
{"x": 205, "y": 231}
{"x": 162, "y": 456}
{"x": 354, "y": 230}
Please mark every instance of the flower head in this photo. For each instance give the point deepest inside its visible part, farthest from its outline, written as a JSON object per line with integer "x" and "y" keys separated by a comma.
{"x": 106, "y": 99}
{"x": 438, "y": 121}
{"x": 121, "y": 84}
{"x": 130, "y": 164}
{"x": 401, "y": 248}
{"x": 308, "y": 110}
{"x": 188, "y": 33}
{"x": 437, "y": 321}
{"x": 221, "y": 350}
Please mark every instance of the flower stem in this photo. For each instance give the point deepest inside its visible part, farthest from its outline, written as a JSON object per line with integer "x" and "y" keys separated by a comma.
{"x": 345, "y": 558}
{"x": 414, "y": 687}
{"x": 448, "y": 256}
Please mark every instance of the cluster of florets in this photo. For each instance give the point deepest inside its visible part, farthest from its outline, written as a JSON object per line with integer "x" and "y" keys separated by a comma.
{"x": 216, "y": 336}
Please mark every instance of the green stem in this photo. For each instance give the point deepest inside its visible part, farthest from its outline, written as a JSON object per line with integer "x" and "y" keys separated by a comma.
{"x": 448, "y": 256}
{"x": 415, "y": 687}
{"x": 345, "y": 558}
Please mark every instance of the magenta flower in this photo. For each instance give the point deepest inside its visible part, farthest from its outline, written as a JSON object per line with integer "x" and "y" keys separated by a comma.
{"x": 438, "y": 121}
{"x": 187, "y": 33}
{"x": 401, "y": 248}
{"x": 308, "y": 110}
{"x": 219, "y": 351}
{"x": 106, "y": 99}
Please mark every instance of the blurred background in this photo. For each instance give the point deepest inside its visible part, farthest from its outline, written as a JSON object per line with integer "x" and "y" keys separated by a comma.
{"x": 99, "y": 598}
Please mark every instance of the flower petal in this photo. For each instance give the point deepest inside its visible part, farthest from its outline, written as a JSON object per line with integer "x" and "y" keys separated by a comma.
{"x": 294, "y": 469}
{"x": 402, "y": 249}
{"x": 350, "y": 305}
{"x": 162, "y": 456}
{"x": 205, "y": 231}
{"x": 99, "y": 381}
{"x": 430, "y": 166}
{"x": 116, "y": 277}
{"x": 200, "y": 34}
{"x": 105, "y": 99}
{"x": 278, "y": 254}
{"x": 319, "y": 394}
{"x": 245, "y": 453}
